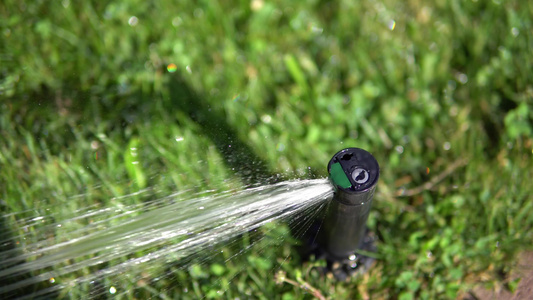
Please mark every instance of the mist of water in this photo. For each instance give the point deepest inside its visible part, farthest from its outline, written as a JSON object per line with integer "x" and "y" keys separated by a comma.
{"x": 167, "y": 229}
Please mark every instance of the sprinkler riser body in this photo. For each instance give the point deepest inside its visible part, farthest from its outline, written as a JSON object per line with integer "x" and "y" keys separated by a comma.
{"x": 345, "y": 224}
{"x": 354, "y": 174}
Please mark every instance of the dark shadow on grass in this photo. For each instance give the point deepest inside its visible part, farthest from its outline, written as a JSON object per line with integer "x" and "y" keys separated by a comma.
{"x": 238, "y": 156}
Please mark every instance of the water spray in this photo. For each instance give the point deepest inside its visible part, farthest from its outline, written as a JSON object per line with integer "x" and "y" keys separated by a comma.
{"x": 167, "y": 231}
{"x": 179, "y": 226}
{"x": 354, "y": 174}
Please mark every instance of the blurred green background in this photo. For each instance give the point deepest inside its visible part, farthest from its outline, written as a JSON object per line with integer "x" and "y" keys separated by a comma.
{"x": 103, "y": 98}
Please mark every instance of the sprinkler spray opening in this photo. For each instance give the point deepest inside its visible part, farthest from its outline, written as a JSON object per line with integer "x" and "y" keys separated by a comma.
{"x": 360, "y": 175}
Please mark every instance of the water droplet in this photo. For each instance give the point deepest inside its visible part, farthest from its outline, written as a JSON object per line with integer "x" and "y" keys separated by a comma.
{"x": 352, "y": 257}
{"x": 401, "y": 191}
{"x": 391, "y": 24}
{"x": 266, "y": 118}
{"x": 461, "y": 77}
{"x": 179, "y": 139}
{"x": 189, "y": 70}
{"x": 172, "y": 68}
{"x": 446, "y": 146}
{"x": 515, "y": 31}
{"x": 317, "y": 30}
{"x": 399, "y": 149}
{"x": 198, "y": 13}
{"x": 429, "y": 254}
{"x": 177, "y": 21}
{"x": 201, "y": 207}
{"x": 52, "y": 280}
{"x": 112, "y": 290}
{"x": 133, "y": 21}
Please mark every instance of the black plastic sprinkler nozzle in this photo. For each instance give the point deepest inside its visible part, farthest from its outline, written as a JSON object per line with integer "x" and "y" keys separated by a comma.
{"x": 354, "y": 174}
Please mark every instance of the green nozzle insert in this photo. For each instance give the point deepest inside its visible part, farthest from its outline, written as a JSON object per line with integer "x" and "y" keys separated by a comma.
{"x": 339, "y": 178}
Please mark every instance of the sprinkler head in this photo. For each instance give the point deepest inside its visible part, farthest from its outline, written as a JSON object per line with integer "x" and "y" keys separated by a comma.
{"x": 354, "y": 174}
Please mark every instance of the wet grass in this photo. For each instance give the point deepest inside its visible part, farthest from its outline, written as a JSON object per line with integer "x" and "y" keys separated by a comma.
{"x": 213, "y": 95}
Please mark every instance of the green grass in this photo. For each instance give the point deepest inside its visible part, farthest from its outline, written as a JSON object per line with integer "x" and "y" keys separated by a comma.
{"x": 423, "y": 86}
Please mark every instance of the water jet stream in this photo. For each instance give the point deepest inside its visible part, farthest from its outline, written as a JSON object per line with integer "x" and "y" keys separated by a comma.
{"x": 172, "y": 231}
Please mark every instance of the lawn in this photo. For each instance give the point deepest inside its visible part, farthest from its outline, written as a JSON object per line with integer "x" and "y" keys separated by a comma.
{"x": 102, "y": 99}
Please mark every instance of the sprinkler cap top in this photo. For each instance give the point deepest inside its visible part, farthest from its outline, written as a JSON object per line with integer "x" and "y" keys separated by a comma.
{"x": 353, "y": 170}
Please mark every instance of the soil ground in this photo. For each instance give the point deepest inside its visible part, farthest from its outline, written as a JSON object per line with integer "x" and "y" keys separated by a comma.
{"x": 523, "y": 270}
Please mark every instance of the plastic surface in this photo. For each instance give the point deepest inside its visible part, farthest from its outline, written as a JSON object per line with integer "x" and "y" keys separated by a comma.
{"x": 354, "y": 172}
{"x": 359, "y": 167}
